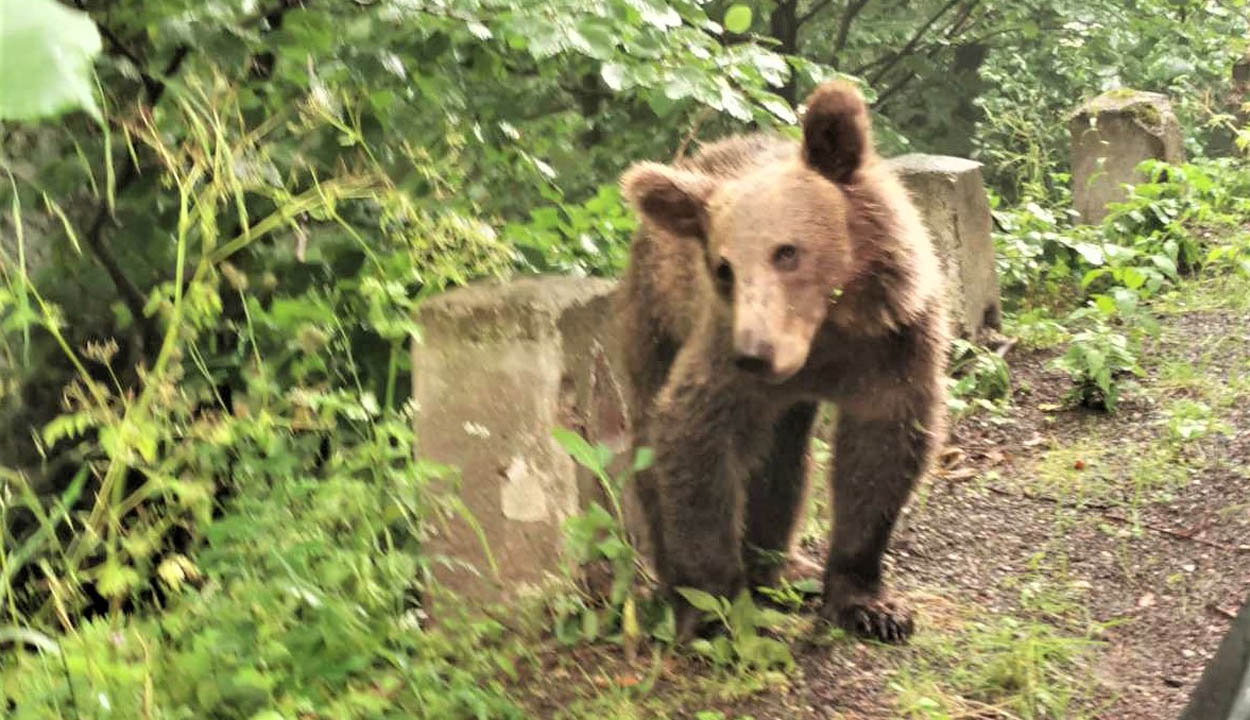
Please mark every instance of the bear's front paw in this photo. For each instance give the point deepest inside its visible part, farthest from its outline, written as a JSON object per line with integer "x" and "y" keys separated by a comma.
{"x": 875, "y": 618}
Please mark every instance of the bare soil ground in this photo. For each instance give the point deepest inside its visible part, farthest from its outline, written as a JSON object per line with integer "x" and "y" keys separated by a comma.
{"x": 1063, "y": 563}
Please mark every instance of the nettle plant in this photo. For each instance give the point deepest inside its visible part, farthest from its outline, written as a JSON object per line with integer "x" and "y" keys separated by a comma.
{"x": 1098, "y": 359}
{"x": 979, "y": 378}
{"x": 627, "y": 613}
{"x": 599, "y": 537}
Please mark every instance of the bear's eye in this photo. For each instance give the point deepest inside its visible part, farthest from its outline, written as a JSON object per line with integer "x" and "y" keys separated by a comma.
{"x": 786, "y": 257}
{"x": 724, "y": 273}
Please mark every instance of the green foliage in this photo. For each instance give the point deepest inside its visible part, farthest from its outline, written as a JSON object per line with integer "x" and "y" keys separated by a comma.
{"x": 1189, "y": 420}
{"x": 791, "y": 595}
{"x": 979, "y": 378}
{"x": 298, "y": 602}
{"x": 596, "y": 536}
{"x": 742, "y": 646}
{"x": 589, "y": 238}
{"x": 1065, "y": 52}
{"x": 46, "y": 51}
{"x": 211, "y": 507}
{"x": 1097, "y": 359}
{"x": 1035, "y": 328}
{"x": 1165, "y": 228}
{"x": 738, "y": 18}
{"x": 1025, "y": 668}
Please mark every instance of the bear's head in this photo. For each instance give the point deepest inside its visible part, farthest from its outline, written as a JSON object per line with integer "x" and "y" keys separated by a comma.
{"x": 776, "y": 238}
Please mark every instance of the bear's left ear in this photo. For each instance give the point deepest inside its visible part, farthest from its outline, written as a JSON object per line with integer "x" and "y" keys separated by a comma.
{"x": 675, "y": 200}
{"x": 837, "y": 135}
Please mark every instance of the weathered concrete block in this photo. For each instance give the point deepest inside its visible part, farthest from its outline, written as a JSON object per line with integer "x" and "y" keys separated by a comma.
{"x": 498, "y": 367}
{"x": 952, "y": 200}
{"x": 1111, "y": 135}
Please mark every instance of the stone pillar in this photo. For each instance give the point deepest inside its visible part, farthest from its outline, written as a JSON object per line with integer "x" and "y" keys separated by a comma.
{"x": 498, "y": 367}
{"x": 953, "y": 203}
{"x": 1111, "y": 135}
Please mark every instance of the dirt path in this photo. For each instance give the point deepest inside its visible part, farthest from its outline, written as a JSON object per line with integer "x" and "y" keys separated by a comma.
{"x": 1064, "y": 563}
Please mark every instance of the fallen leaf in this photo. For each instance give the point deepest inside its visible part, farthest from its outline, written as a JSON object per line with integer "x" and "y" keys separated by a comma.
{"x": 626, "y": 680}
{"x": 1147, "y": 600}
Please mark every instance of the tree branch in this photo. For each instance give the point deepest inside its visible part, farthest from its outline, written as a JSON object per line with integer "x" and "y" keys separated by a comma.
{"x": 956, "y": 26}
{"x": 815, "y": 8}
{"x": 852, "y": 9}
{"x": 154, "y": 90}
{"x": 883, "y": 98}
{"x": 908, "y": 48}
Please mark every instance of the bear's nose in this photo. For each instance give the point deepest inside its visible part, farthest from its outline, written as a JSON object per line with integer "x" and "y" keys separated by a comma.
{"x": 755, "y": 357}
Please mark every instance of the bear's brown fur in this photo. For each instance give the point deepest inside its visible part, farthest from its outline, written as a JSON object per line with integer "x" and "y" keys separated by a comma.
{"x": 767, "y": 276}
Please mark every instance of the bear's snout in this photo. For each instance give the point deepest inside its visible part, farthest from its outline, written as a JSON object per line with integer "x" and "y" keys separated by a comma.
{"x": 753, "y": 354}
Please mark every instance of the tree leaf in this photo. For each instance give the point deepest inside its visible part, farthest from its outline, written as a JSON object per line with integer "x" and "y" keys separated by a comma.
{"x": 613, "y": 75}
{"x": 738, "y": 18}
{"x": 46, "y": 50}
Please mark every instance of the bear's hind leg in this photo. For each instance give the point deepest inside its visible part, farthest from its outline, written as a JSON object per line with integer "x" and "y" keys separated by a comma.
{"x": 876, "y": 464}
{"x": 775, "y": 496}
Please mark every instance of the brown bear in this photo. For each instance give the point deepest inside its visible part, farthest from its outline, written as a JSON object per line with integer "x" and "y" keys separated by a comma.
{"x": 766, "y": 276}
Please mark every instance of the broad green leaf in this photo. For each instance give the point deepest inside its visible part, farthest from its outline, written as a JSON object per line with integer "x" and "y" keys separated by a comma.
{"x": 46, "y": 50}
{"x": 738, "y": 18}
{"x": 700, "y": 600}
{"x": 613, "y": 75}
{"x": 1093, "y": 275}
{"x": 1090, "y": 252}
{"x": 575, "y": 445}
{"x": 742, "y": 614}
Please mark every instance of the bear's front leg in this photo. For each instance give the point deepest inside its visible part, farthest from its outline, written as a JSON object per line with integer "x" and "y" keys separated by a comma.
{"x": 699, "y": 476}
{"x": 876, "y": 464}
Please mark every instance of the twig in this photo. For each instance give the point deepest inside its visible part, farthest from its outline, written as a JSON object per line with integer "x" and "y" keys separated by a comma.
{"x": 844, "y": 25}
{"x": 1180, "y": 535}
{"x": 1217, "y": 610}
{"x": 815, "y": 8}
{"x": 1048, "y": 499}
{"x": 699, "y": 119}
{"x": 1006, "y": 347}
{"x": 1106, "y": 514}
{"x": 911, "y": 44}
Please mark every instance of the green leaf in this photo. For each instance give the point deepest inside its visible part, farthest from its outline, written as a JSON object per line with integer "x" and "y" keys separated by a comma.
{"x": 115, "y": 579}
{"x": 575, "y": 445}
{"x": 590, "y": 625}
{"x": 1090, "y": 252}
{"x": 46, "y": 50}
{"x": 1093, "y": 275}
{"x": 613, "y": 75}
{"x": 738, "y": 18}
{"x": 597, "y": 38}
{"x": 643, "y": 459}
{"x": 742, "y": 613}
{"x": 700, "y": 600}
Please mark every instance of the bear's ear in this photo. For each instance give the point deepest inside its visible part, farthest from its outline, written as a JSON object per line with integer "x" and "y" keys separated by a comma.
{"x": 837, "y": 136}
{"x": 675, "y": 200}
